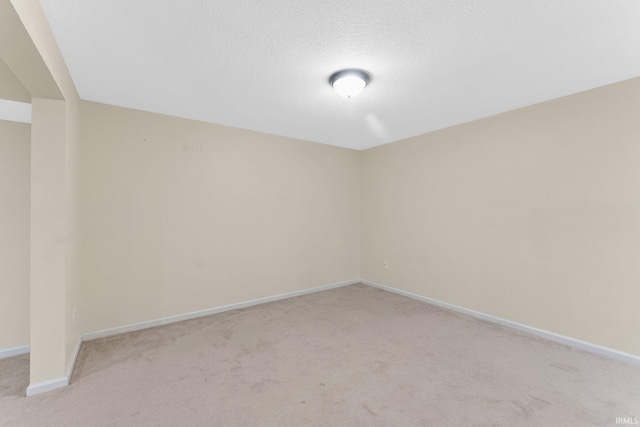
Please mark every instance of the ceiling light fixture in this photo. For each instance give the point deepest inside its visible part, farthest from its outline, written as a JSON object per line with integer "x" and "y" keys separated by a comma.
{"x": 349, "y": 83}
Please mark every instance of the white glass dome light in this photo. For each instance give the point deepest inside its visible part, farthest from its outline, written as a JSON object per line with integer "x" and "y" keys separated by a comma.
{"x": 349, "y": 83}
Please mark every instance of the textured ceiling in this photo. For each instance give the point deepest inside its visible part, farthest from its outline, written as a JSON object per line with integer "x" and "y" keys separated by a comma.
{"x": 264, "y": 65}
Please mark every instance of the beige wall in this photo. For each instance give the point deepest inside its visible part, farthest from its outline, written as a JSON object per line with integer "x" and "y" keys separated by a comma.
{"x": 14, "y": 234}
{"x": 10, "y": 86}
{"x": 48, "y": 240}
{"x": 180, "y": 215}
{"x": 532, "y": 215}
{"x": 73, "y": 319}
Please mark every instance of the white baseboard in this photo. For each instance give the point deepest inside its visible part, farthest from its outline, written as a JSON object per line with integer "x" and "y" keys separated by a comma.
{"x": 209, "y": 311}
{"x": 14, "y": 351}
{"x": 74, "y": 357}
{"x": 571, "y": 342}
{"x": 49, "y": 385}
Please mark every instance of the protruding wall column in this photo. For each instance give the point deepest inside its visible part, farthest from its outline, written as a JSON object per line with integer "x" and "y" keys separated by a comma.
{"x": 48, "y": 245}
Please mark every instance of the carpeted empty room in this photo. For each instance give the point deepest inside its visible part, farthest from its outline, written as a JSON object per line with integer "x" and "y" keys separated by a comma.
{"x": 319, "y": 213}
{"x": 354, "y": 355}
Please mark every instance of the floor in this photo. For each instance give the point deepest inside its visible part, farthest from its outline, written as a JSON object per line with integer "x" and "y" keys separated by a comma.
{"x": 351, "y": 356}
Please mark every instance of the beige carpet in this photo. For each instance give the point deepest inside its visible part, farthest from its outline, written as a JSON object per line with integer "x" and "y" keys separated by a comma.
{"x": 353, "y": 356}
